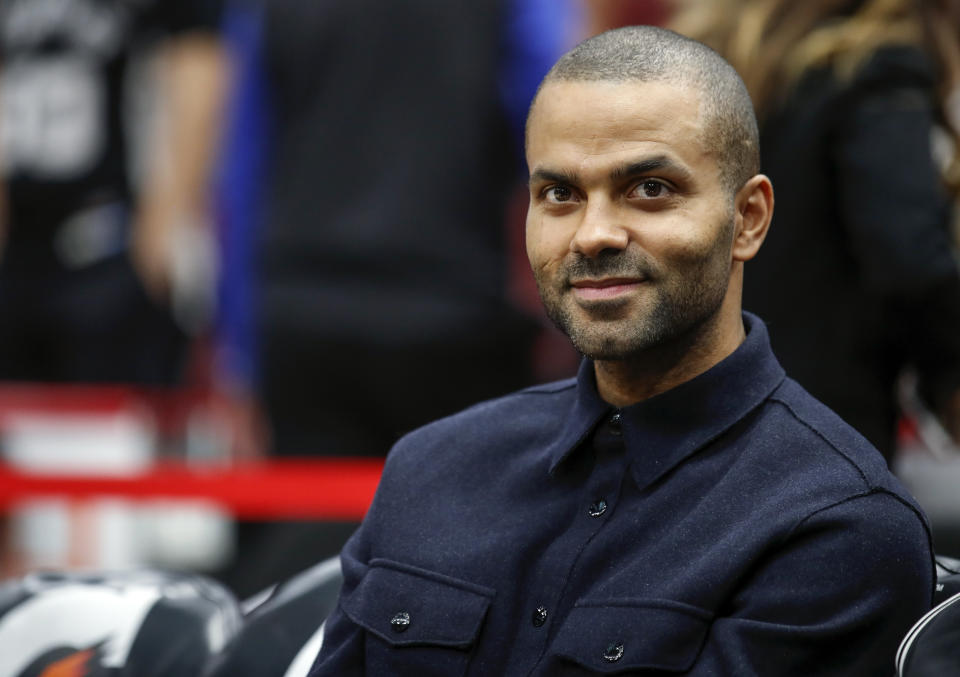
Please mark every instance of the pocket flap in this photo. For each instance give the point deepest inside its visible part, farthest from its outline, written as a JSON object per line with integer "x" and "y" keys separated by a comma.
{"x": 408, "y": 606}
{"x": 623, "y": 635}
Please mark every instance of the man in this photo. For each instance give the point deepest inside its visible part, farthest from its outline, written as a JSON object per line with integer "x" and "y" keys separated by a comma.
{"x": 681, "y": 506}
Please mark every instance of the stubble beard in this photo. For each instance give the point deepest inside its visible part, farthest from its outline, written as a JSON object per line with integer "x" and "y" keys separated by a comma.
{"x": 680, "y": 304}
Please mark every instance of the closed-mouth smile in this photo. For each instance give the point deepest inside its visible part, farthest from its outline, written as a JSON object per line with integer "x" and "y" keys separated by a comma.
{"x": 605, "y": 288}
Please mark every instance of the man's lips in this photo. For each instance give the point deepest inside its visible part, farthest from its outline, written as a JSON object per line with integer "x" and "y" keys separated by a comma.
{"x": 607, "y": 288}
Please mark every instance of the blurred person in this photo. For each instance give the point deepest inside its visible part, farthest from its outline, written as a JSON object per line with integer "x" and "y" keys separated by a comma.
{"x": 93, "y": 247}
{"x": 382, "y": 254}
{"x": 858, "y": 280}
{"x": 681, "y": 506}
{"x": 377, "y": 255}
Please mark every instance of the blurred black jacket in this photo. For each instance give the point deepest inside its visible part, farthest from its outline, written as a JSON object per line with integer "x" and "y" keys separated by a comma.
{"x": 857, "y": 277}
{"x": 390, "y": 173}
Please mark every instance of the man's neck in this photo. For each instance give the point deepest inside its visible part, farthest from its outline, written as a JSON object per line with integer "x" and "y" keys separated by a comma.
{"x": 625, "y": 382}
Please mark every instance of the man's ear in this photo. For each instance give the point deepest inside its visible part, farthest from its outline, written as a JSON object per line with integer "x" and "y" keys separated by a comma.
{"x": 754, "y": 210}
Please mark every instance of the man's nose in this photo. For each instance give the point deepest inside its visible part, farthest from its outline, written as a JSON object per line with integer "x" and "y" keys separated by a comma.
{"x": 598, "y": 231}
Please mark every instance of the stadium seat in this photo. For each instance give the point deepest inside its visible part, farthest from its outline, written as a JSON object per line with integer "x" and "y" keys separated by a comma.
{"x": 142, "y": 623}
{"x": 932, "y": 646}
{"x": 283, "y": 629}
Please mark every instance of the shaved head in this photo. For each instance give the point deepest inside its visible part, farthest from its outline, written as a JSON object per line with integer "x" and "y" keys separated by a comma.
{"x": 651, "y": 54}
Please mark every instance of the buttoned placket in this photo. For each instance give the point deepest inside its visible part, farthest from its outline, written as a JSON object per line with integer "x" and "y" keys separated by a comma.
{"x": 596, "y": 502}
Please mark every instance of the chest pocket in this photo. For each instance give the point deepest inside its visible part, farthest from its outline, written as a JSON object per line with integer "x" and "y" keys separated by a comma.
{"x": 629, "y": 637}
{"x": 417, "y": 622}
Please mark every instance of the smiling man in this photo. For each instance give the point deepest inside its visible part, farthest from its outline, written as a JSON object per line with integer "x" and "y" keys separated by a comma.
{"x": 681, "y": 506}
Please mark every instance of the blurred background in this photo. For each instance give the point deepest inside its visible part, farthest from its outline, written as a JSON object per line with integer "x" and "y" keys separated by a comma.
{"x": 247, "y": 244}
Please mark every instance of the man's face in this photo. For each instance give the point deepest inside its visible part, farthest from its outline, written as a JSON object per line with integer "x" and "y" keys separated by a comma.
{"x": 629, "y": 229}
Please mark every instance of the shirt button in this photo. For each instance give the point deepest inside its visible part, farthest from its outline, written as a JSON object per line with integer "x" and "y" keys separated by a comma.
{"x": 539, "y": 616}
{"x": 400, "y": 622}
{"x": 613, "y": 653}
{"x": 615, "y": 423}
{"x": 597, "y": 508}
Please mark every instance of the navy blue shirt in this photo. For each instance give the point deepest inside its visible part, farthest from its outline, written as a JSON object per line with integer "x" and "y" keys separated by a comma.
{"x": 730, "y": 526}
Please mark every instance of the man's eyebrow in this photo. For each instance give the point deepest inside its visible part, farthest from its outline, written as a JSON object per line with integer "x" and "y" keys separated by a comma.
{"x": 544, "y": 175}
{"x": 639, "y": 168}
{"x": 653, "y": 164}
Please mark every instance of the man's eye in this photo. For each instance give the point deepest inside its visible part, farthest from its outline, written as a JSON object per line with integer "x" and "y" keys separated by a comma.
{"x": 559, "y": 194}
{"x": 651, "y": 189}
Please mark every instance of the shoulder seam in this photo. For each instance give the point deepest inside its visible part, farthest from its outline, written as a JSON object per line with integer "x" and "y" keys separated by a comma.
{"x": 775, "y": 398}
{"x": 863, "y": 494}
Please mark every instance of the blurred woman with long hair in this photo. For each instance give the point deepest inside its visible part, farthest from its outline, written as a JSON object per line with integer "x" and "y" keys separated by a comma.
{"x": 860, "y": 133}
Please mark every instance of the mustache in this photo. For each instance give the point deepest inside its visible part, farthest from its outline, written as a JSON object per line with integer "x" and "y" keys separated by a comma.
{"x": 621, "y": 263}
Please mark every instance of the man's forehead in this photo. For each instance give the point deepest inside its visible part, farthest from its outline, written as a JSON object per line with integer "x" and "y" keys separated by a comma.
{"x": 602, "y": 113}
{"x": 617, "y": 96}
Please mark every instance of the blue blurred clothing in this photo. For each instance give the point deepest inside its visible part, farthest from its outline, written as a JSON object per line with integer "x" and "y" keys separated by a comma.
{"x": 538, "y": 33}
{"x": 241, "y": 173}
{"x": 730, "y": 526}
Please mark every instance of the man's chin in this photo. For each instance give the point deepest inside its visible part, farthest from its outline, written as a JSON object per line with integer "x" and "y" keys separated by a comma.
{"x": 606, "y": 348}
{"x": 615, "y": 337}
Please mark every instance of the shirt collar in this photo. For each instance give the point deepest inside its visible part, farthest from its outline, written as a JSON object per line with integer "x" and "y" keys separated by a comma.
{"x": 661, "y": 432}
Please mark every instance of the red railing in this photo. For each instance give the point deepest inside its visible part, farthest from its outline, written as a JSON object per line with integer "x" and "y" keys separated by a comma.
{"x": 322, "y": 489}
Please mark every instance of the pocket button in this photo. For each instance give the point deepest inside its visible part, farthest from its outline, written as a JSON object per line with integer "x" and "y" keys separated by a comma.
{"x": 613, "y": 653}
{"x": 400, "y": 622}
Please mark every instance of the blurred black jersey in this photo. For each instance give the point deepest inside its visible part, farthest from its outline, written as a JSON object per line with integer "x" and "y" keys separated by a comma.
{"x": 65, "y": 88}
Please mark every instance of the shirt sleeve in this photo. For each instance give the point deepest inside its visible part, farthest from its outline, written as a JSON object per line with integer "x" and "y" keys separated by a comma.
{"x": 835, "y": 599}
{"x": 342, "y": 651}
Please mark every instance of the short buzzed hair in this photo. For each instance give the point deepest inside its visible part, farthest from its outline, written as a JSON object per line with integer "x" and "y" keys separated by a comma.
{"x": 651, "y": 54}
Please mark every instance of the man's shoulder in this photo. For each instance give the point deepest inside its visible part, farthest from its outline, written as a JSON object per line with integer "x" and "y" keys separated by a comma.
{"x": 519, "y": 420}
{"x": 519, "y": 411}
{"x": 813, "y": 428}
{"x": 817, "y": 469}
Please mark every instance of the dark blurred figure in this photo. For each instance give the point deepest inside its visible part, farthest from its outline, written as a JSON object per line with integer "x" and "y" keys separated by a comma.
{"x": 86, "y": 273}
{"x": 383, "y": 255}
{"x": 383, "y": 259}
{"x": 858, "y": 278}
